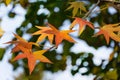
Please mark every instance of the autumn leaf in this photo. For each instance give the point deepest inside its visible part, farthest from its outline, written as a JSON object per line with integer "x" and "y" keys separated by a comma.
{"x": 1, "y": 32}
{"x": 32, "y": 57}
{"x": 60, "y": 35}
{"x": 7, "y": 2}
{"x": 110, "y": 31}
{"x": 21, "y": 42}
{"x": 43, "y": 35}
{"x": 26, "y": 48}
{"x": 39, "y": 56}
{"x": 76, "y": 6}
{"x": 82, "y": 23}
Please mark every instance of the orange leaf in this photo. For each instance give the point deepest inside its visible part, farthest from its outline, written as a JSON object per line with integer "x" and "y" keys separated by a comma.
{"x": 27, "y": 54}
{"x": 21, "y": 42}
{"x": 82, "y": 23}
{"x": 60, "y": 35}
{"x": 39, "y": 56}
{"x": 44, "y": 35}
{"x": 32, "y": 57}
{"x": 110, "y": 31}
{"x": 26, "y": 48}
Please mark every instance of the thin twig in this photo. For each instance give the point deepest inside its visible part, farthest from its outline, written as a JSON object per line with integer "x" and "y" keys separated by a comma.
{"x": 47, "y": 46}
{"x": 88, "y": 13}
{"x": 96, "y": 27}
{"x": 111, "y": 1}
{"x": 100, "y": 9}
{"x": 52, "y": 47}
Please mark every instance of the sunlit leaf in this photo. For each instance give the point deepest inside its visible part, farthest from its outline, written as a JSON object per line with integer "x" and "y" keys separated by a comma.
{"x": 110, "y": 31}
{"x": 82, "y": 23}
{"x": 26, "y": 48}
{"x": 43, "y": 35}
{"x": 39, "y": 56}
{"x": 60, "y": 35}
{"x": 21, "y": 42}
{"x": 32, "y": 57}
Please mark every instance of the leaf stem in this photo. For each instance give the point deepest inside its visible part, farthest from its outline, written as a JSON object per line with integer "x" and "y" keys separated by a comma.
{"x": 89, "y": 12}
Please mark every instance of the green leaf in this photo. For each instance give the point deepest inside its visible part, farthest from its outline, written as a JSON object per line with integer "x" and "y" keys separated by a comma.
{"x": 111, "y": 75}
{"x": 2, "y": 51}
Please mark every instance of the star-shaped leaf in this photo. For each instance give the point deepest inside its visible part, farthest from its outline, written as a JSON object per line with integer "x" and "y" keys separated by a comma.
{"x": 32, "y": 57}
{"x": 82, "y": 23}
{"x": 21, "y": 42}
{"x": 110, "y": 31}
{"x": 43, "y": 35}
{"x": 26, "y": 48}
{"x": 76, "y": 6}
{"x": 60, "y": 35}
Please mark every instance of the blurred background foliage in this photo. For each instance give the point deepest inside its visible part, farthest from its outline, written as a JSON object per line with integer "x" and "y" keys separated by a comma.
{"x": 56, "y": 14}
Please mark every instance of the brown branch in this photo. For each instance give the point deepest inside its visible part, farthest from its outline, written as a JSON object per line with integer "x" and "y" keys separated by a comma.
{"x": 96, "y": 27}
{"x": 89, "y": 12}
{"x": 118, "y": 2}
{"x": 52, "y": 47}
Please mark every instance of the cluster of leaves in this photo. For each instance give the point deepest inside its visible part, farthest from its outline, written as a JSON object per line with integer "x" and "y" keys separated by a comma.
{"x": 50, "y": 32}
{"x": 26, "y": 48}
{"x": 56, "y": 37}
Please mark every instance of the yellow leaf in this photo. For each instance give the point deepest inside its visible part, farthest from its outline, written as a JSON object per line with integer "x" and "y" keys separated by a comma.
{"x": 43, "y": 35}
{"x": 39, "y": 56}
{"x": 24, "y": 3}
{"x": 76, "y": 6}
{"x": 7, "y": 2}
{"x": 1, "y": 32}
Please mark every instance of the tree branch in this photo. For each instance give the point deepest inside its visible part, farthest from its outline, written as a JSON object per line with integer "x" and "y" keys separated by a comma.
{"x": 111, "y": 1}
{"x": 88, "y": 13}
